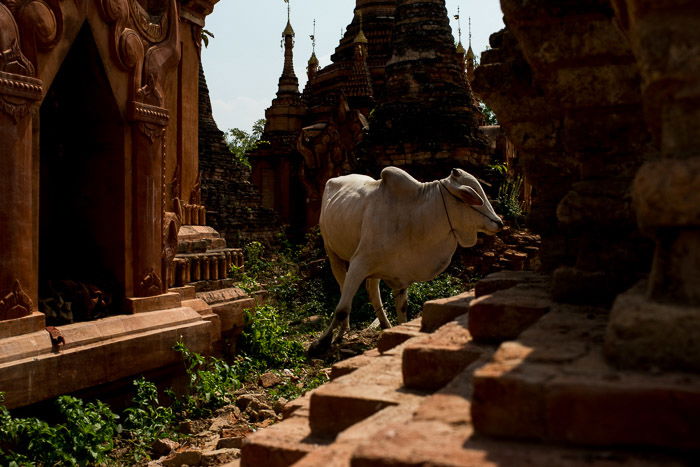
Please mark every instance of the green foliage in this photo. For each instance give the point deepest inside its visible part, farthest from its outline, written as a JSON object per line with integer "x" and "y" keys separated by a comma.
{"x": 84, "y": 435}
{"x": 146, "y": 420}
{"x": 205, "y": 34}
{"x": 444, "y": 285}
{"x": 240, "y": 142}
{"x": 303, "y": 381}
{"x": 265, "y": 340}
{"x": 489, "y": 114}
{"x": 211, "y": 383}
{"x": 510, "y": 205}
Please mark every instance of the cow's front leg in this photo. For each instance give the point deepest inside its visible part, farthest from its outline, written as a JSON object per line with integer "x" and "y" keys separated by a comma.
{"x": 341, "y": 318}
{"x": 401, "y": 302}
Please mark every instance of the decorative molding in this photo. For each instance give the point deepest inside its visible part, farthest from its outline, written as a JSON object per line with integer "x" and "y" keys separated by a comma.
{"x": 15, "y": 303}
{"x": 150, "y": 285}
{"x": 140, "y": 112}
{"x": 20, "y": 86}
{"x": 153, "y": 25}
{"x": 19, "y": 95}
{"x": 40, "y": 23}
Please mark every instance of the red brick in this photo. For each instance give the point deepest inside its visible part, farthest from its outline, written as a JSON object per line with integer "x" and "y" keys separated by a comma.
{"x": 504, "y": 314}
{"x": 279, "y": 445}
{"x": 349, "y": 365}
{"x": 429, "y": 363}
{"x": 441, "y": 311}
{"x": 392, "y": 337}
{"x": 505, "y": 280}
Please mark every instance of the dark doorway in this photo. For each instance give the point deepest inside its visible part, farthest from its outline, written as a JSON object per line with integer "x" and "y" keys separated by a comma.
{"x": 81, "y": 197}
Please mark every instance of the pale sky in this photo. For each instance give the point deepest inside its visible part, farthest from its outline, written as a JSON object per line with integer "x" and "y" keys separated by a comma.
{"x": 244, "y": 61}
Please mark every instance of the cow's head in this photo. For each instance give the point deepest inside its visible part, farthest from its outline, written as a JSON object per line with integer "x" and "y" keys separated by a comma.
{"x": 472, "y": 213}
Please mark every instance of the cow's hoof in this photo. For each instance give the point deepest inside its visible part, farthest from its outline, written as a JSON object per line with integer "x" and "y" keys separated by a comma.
{"x": 320, "y": 347}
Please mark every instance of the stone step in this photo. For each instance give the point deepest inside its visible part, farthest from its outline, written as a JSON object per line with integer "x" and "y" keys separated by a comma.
{"x": 349, "y": 365}
{"x": 390, "y": 338}
{"x": 350, "y": 399}
{"x": 554, "y": 384}
{"x": 504, "y": 314}
{"x": 434, "y": 442}
{"x": 507, "y": 279}
{"x": 433, "y": 360}
{"x": 339, "y": 453}
{"x": 443, "y": 310}
{"x": 280, "y": 445}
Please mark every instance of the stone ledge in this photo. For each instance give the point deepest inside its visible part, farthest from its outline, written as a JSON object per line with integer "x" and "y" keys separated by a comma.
{"x": 429, "y": 363}
{"x": 24, "y": 325}
{"x": 352, "y": 398}
{"x": 280, "y": 445}
{"x": 554, "y": 384}
{"x": 157, "y": 302}
{"x": 51, "y": 373}
{"x": 506, "y": 279}
{"x": 434, "y": 442}
{"x": 504, "y": 314}
{"x": 443, "y": 310}
{"x": 644, "y": 334}
{"x": 392, "y": 337}
{"x": 349, "y": 365}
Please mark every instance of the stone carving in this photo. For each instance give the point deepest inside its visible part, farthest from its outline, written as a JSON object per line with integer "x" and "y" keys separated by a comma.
{"x": 70, "y": 301}
{"x": 12, "y": 60}
{"x": 126, "y": 43}
{"x": 40, "y": 24}
{"x": 15, "y": 303}
{"x": 327, "y": 148}
{"x": 150, "y": 285}
{"x": 196, "y": 194}
{"x": 171, "y": 226}
{"x": 158, "y": 59}
{"x": 133, "y": 31}
{"x": 151, "y": 20}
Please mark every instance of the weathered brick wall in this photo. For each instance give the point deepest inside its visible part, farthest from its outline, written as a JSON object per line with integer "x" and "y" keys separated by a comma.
{"x": 566, "y": 88}
{"x": 428, "y": 122}
{"x": 233, "y": 203}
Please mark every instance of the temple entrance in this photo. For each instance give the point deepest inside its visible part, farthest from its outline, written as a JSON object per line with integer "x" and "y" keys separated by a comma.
{"x": 82, "y": 194}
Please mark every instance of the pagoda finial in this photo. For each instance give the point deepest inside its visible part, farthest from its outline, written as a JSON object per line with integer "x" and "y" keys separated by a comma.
{"x": 360, "y": 38}
{"x": 459, "y": 26}
{"x": 470, "y": 31}
{"x": 313, "y": 39}
{"x": 288, "y": 30}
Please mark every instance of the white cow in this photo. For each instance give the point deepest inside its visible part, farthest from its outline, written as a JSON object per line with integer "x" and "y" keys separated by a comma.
{"x": 398, "y": 230}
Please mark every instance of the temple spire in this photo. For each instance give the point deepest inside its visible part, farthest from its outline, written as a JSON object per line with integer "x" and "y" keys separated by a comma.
{"x": 288, "y": 81}
{"x": 313, "y": 64}
{"x": 470, "y": 57}
{"x": 460, "y": 47}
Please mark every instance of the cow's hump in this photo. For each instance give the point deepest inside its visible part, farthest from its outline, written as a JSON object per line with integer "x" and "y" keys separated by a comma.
{"x": 398, "y": 181}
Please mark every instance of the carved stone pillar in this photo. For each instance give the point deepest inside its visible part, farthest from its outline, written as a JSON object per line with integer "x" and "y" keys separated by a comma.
{"x": 18, "y": 276}
{"x": 658, "y": 323}
{"x": 148, "y": 152}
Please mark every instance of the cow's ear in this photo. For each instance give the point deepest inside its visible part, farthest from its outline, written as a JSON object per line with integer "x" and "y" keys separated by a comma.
{"x": 470, "y": 196}
{"x": 455, "y": 173}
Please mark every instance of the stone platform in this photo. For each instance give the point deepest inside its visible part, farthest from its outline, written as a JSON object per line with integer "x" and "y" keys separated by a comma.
{"x": 34, "y": 366}
{"x": 440, "y": 398}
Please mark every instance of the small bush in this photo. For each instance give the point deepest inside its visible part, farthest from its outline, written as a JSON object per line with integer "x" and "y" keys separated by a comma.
{"x": 146, "y": 420}
{"x": 84, "y": 436}
{"x": 211, "y": 383}
{"x": 265, "y": 340}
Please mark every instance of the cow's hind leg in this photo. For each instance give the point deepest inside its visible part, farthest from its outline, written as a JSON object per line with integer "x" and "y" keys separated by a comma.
{"x": 340, "y": 270}
{"x": 401, "y": 301}
{"x": 356, "y": 274}
{"x": 372, "y": 286}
